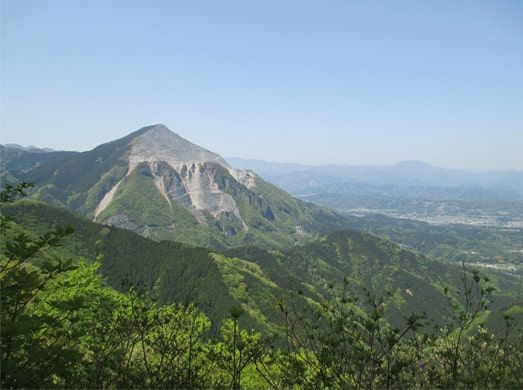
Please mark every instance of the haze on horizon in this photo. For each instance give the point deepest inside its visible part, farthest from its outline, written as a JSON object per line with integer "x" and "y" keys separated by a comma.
{"x": 306, "y": 82}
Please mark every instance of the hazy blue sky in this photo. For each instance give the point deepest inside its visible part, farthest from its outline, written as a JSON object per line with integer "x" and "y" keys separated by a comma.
{"x": 306, "y": 81}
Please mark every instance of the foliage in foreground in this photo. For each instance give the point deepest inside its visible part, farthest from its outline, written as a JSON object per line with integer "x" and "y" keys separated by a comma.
{"x": 62, "y": 326}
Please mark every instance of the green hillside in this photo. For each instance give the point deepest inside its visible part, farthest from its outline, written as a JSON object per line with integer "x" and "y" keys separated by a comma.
{"x": 257, "y": 279}
{"x": 17, "y": 160}
{"x": 344, "y": 311}
{"x": 172, "y": 272}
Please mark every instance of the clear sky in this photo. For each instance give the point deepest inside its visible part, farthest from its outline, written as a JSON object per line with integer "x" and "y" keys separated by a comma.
{"x": 356, "y": 82}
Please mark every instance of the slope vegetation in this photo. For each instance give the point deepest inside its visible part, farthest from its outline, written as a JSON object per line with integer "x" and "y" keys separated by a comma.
{"x": 257, "y": 279}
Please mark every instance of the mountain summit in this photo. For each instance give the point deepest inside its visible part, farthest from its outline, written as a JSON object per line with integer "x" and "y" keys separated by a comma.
{"x": 163, "y": 186}
{"x": 158, "y": 143}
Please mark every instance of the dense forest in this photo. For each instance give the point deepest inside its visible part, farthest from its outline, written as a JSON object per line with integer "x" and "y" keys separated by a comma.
{"x": 64, "y": 326}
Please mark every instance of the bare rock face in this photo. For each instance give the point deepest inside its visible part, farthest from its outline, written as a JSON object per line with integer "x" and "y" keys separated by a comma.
{"x": 244, "y": 176}
{"x": 161, "y": 144}
{"x": 182, "y": 172}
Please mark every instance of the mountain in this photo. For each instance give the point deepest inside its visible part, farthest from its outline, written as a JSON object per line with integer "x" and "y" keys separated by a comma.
{"x": 162, "y": 186}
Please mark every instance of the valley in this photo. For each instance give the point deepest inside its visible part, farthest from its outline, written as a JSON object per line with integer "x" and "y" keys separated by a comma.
{"x": 444, "y": 211}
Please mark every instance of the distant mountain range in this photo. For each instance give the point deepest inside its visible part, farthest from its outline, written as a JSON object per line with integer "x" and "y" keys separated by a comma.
{"x": 30, "y": 148}
{"x": 295, "y": 177}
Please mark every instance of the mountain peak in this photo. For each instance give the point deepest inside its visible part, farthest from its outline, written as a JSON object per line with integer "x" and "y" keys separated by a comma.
{"x": 158, "y": 143}
{"x": 158, "y": 128}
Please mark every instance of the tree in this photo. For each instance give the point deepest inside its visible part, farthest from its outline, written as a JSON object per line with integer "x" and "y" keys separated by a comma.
{"x": 237, "y": 348}
{"x": 25, "y": 272}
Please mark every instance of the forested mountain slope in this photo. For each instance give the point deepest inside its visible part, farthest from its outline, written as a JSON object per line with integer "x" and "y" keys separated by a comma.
{"x": 257, "y": 279}
{"x": 13, "y": 159}
{"x": 63, "y": 327}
